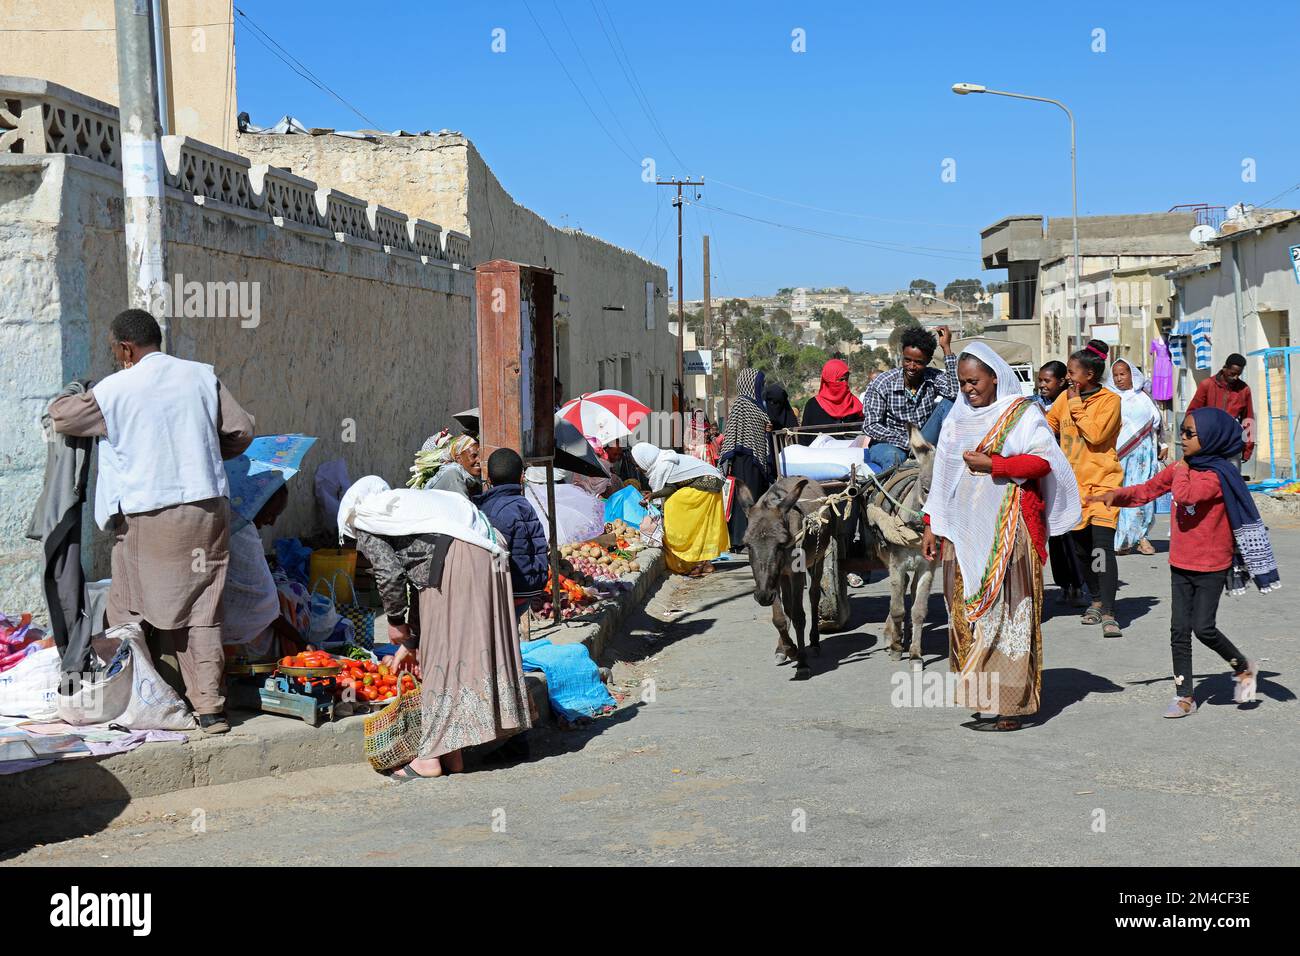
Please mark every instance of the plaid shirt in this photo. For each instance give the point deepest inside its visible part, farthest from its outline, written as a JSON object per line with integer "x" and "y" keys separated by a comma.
{"x": 890, "y": 408}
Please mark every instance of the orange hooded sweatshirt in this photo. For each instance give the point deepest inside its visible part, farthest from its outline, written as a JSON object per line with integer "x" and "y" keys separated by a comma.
{"x": 1087, "y": 429}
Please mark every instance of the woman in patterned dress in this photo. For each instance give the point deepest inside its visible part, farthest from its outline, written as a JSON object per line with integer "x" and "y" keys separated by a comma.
{"x": 1001, "y": 486}
{"x": 447, "y": 593}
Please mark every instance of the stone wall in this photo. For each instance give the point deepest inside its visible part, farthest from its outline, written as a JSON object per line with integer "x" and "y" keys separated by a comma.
{"x": 364, "y": 327}
{"x": 443, "y": 178}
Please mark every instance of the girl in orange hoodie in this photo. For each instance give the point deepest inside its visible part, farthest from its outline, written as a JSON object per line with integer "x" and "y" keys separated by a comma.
{"x": 1087, "y": 419}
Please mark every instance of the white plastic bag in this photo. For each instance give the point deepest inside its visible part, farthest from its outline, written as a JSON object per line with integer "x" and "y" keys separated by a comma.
{"x": 30, "y": 687}
{"x": 135, "y": 697}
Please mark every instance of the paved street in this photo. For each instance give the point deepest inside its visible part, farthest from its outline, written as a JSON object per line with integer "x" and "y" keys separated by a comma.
{"x": 732, "y": 762}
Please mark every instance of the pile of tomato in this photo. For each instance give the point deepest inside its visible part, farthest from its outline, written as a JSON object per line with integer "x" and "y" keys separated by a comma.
{"x": 373, "y": 682}
{"x": 309, "y": 659}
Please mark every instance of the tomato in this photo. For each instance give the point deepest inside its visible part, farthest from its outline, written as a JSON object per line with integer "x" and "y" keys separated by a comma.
{"x": 370, "y": 666}
{"x": 383, "y": 670}
{"x": 286, "y": 662}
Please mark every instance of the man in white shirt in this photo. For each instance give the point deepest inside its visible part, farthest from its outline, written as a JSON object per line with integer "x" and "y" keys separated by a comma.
{"x": 166, "y": 426}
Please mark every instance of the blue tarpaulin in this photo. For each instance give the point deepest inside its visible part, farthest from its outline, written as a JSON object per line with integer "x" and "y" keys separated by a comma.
{"x": 572, "y": 681}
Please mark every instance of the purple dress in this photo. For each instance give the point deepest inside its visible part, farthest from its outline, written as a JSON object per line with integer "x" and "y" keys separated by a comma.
{"x": 1162, "y": 374}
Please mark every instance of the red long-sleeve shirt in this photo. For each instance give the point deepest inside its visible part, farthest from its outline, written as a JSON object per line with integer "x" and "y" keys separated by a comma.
{"x": 1200, "y": 536}
{"x": 1234, "y": 399}
{"x": 1030, "y": 468}
{"x": 1032, "y": 507}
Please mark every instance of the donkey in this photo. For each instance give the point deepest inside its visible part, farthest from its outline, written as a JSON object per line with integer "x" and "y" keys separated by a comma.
{"x": 907, "y": 569}
{"x": 785, "y": 559}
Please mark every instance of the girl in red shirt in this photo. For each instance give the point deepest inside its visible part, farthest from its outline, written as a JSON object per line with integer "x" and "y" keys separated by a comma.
{"x": 1213, "y": 521}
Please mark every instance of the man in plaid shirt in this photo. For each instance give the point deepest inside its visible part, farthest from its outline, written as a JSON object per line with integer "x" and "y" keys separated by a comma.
{"x": 915, "y": 394}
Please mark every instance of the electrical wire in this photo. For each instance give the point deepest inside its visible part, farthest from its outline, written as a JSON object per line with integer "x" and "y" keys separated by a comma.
{"x": 838, "y": 212}
{"x": 297, "y": 66}
{"x": 595, "y": 82}
{"x": 576, "y": 87}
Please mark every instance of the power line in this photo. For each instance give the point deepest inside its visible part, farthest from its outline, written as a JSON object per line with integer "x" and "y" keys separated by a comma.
{"x": 576, "y": 87}
{"x": 595, "y": 82}
{"x": 629, "y": 74}
{"x": 298, "y": 67}
{"x": 926, "y": 251}
{"x": 840, "y": 212}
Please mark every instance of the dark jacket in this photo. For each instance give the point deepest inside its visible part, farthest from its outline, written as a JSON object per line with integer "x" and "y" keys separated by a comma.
{"x": 512, "y": 515}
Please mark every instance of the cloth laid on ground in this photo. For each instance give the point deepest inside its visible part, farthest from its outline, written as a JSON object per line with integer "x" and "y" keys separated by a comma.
{"x": 56, "y": 523}
{"x": 93, "y": 742}
{"x": 824, "y": 462}
{"x": 371, "y": 505}
{"x": 573, "y": 681}
{"x": 579, "y": 515}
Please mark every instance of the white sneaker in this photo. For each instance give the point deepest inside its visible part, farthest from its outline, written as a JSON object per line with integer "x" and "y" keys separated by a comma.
{"x": 1180, "y": 707}
{"x": 1246, "y": 683}
{"x": 855, "y": 581}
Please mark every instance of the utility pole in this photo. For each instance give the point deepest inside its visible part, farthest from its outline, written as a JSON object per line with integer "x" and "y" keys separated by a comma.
{"x": 708, "y": 316}
{"x": 681, "y": 310}
{"x": 142, "y": 161}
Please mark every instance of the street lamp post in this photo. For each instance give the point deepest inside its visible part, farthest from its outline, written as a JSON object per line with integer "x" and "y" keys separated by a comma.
{"x": 962, "y": 89}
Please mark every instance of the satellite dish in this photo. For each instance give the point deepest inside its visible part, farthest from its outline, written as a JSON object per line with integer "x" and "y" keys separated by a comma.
{"x": 1203, "y": 234}
{"x": 1238, "y": 211}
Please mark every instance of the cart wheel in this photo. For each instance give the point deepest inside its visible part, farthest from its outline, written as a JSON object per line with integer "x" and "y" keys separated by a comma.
{"x": 834, "y": 611}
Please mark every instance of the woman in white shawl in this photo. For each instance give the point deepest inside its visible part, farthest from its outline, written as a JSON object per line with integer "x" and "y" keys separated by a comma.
{"x": 1139, "y": 450}
{"x": 459, "y": 634}
{"x": 1001, "y": 486}
{"x": 695, "y": 529}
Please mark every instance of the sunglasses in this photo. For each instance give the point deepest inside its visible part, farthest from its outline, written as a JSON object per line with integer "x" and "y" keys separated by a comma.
{"x": 1187, "y": 433}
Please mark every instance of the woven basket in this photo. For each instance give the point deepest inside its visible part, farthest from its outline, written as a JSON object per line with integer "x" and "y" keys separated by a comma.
{"x": 393, "y": 734}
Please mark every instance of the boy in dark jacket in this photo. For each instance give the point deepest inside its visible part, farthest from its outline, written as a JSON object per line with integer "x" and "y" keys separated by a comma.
{"x": 512, "y": 515}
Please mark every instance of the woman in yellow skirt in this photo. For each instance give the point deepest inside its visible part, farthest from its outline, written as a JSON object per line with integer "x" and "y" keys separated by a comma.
{"x": 695, "y": 530}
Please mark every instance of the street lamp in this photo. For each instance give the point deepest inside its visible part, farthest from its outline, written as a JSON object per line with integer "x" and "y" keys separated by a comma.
{"x": 963, "y": 89}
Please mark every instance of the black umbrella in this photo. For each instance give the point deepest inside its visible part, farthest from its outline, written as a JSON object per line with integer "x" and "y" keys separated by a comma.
{"x": 468, "y": 420}
{"x": 574, "y": 453}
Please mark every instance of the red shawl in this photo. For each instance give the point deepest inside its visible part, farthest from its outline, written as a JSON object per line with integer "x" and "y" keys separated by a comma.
{"x": 834, "y": 397}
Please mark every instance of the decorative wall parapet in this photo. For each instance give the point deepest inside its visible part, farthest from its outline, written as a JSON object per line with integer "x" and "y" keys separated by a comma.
{"x": 426, "y": 238}
{"x": 389, "y": 228}
{"x": 344, "y": 215}
{"x": 37, "y": 116}
{"x": 455, "y": 247}
{"x": 200, "y": 170}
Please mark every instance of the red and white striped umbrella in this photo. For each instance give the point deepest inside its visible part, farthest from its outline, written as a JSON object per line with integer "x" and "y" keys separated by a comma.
{"x": 606, "y": 415}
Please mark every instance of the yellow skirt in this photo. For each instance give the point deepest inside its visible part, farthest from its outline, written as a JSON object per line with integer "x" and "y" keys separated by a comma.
{"x": 694, "y": 529}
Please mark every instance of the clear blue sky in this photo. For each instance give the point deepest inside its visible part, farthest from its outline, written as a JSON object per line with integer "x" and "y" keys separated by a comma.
{"x": 861, "y": 123}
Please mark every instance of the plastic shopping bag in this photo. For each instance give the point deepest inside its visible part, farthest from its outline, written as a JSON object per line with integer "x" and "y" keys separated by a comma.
{"x": 30, "y": 687}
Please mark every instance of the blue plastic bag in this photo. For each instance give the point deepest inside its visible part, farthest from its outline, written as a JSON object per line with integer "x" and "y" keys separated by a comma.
{"x": 625, "y": 505}
{"x": 292, "y": 555}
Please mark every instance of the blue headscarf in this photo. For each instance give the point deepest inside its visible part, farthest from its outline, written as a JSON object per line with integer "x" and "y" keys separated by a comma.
{"x": 1221, "y": 438}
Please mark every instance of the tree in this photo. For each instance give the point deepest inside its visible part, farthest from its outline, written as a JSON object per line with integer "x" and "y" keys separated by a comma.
{"x": 897, "y": 316}
{"x": 746, "y": 332}
{"x": 963, "y": 290}
{"x": 923, "y": 286}
{"x": 782, "y": 324}
{"x": 810, "y": 360}
{"x": 836, "y": 329}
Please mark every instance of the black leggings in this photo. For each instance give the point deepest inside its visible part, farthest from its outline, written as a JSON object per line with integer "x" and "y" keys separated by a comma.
{"x": 1095, "y": 545}
{"x": 1195, "y": 605}
{"x": 1065, "y": 566}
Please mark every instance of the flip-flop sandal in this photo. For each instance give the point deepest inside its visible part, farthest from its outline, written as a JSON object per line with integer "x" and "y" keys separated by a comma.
{"x": 406, "y": 775}
{"x": 1110, "y": 628}
{"x": 1091, "y": 616}
{"x": 1147, "y": 548}
{"x": 1003, "y": 725}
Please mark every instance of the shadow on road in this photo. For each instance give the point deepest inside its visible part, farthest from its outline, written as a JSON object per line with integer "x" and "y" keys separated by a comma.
{"x": 1066, "y": 686}
{"x": 1217, "y": 689}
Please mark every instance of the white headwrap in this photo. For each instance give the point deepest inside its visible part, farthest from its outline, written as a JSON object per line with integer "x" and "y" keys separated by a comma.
{"x": 1136, "y": 405}
{"x": 371, "y": 505}
{"x": 964, "y": 506}
{"x": 663, "y": 467}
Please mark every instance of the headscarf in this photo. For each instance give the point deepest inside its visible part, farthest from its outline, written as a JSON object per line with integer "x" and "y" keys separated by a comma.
{"x": 370, "y": 505}
{"x": 1140, "y": 414}
{"x": 437, "y": 452}
{"x": 968, "y": 508}
{"x": 779, "y": 411}
{"x": 747, "y": 423}
{"x": 834, "y": 396}
{"x": 663, "y": 467}
{"x": 1221, "y": 438}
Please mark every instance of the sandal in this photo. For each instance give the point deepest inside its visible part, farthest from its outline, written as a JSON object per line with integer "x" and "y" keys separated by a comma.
{"x": 1180, "y": 707}
{"x": 406, "y": 774}
{"x": 1091, "y": 616}
{"x": 1146, "y": 547}
{"x": 1110, "y": 627}
{"x": 1246, "y": 682}
{"x": 1003, "y": 725}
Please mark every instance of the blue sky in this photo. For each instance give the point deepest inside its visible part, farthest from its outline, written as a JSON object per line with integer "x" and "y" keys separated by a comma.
{"x": 859, "y": 125}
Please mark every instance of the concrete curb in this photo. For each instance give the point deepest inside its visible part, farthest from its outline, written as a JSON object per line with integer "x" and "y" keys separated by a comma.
{"x": 595, "y": 633}
{"x": 261, "y": 745}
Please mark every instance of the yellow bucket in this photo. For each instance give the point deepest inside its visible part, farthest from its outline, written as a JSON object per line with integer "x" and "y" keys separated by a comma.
{"x": 328, "y": 562}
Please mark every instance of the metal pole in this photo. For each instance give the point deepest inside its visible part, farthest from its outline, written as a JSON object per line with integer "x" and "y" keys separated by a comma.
{"x": 557, "y": 593}
{"x": 160, "y": 64}
{"x": 680, "y": 443}
{"x": 142, "y": 162}
{"x": 708, "y": 317}
{"x": 1074, "y": 223}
